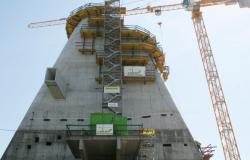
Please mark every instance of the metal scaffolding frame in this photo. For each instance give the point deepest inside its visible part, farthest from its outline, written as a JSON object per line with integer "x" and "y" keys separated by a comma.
{"x": 224, "y": 124}
{"x": 112, "y": 62}
{"x": 147, "y": 150}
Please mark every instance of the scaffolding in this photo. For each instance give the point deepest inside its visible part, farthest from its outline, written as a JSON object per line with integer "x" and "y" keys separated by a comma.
{"x": 111, "y": 68}
{"x": 124, "y": 45}
{"x": 146, "y": 151}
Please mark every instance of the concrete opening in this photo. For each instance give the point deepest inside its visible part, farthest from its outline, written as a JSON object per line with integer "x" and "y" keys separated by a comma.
{"x": 48, "y": 143}
{"x": 51, "y": 74}
{"x": 55, "y": 84}
{"x": 105, "y": 148}
{"x": 59, "y": 137}
{"x": 46, "y": 119}
{"x": 101, "y": 149}
{"x": 146, "y": 116}
{"x": 167, "y": 145}
{"x": 163, "y": 114}
{"x": 36, "y": 139}
{"x": 63, "y": 120}
{"x": 87, "y": 143}
{"x": 28, "y": 146}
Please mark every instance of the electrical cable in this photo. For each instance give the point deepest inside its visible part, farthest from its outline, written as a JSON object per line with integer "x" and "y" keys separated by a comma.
{"x": 7, "y": 130}
{"x": 147, "y": 4}
{"x": 136, "y": 1}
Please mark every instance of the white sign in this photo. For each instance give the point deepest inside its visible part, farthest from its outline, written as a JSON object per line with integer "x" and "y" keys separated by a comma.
{"x": 112, "y": 89}
{"x": 134, "y": 71}
{"x": 104, "y": 129}
{"x": 112, "y": 104}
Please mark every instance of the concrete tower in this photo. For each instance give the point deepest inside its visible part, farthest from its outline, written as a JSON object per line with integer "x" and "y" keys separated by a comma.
{"x": 68, "y": 119}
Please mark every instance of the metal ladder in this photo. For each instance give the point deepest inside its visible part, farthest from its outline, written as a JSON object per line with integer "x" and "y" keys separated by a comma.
{"x": 146, "y": 151}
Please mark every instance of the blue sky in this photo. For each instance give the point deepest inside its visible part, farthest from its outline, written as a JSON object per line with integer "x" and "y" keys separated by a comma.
{"x": 26, "y": 53}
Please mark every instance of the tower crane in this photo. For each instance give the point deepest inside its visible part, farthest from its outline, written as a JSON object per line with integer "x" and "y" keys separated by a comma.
{"x": 225, "y": 128}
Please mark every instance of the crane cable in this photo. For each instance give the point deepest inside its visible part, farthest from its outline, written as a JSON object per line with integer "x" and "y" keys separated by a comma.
{"x": 7, "y": 130}
{"x": 162, "y": 35}
{"x": 136, "y": 1}
{"x": 141, "y": 6}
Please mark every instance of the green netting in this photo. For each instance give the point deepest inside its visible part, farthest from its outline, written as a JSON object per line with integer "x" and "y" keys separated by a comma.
{"x": 119, "y": 122}
{"x": 120, "y": 125}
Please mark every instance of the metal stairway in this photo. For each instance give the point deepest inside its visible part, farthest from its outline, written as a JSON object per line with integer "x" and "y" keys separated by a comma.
{"x": 112, "y": 62}
{"x": 146, "y": 151}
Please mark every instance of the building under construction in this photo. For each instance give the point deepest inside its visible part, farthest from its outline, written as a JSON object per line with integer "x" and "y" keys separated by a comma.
{"x": 105, "y": 97}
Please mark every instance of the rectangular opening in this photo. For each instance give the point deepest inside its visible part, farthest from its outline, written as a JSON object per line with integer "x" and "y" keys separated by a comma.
{"x": 80, "y": 120}
{"x": 64, "y": 120}
{"x": 167, "y": 145}
{"x": 146, "y": 116}
{"x": 48, "y": 143}
{"x": 55, "y": 83}
{"x": 36, "y": 139}
{"x": 46, "y": 119}
{"x": 185, "y": 144}
{"x": 51, "y": 74}
{"x": 163, "y": 114}
{"x": 59, "y": 137}
{"x": 28, "y": 146}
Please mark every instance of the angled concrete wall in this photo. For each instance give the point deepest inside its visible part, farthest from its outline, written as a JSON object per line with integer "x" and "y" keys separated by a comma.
{"x": 41, "y": 135}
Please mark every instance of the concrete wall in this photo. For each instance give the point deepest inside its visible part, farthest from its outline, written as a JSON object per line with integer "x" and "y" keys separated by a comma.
{"x": 244, "y": 3}
{"x": 47, "y": 117}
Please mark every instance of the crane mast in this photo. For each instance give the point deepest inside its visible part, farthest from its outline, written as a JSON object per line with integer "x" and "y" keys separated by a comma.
{"x": 224, "y": 124}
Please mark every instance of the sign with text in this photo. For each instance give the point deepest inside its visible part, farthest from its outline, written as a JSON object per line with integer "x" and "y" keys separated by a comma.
{"x": 104, "y": 129}
{"x": 134, "y": 71}
{"x": 112, "y": 104}
{"x": 112, "y": 89}
{"x": 148, "y": 132}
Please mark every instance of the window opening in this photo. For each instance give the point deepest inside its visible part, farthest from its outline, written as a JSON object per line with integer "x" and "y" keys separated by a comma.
{"x": 36, "y": 139}
{"x": 167, "y": 145}
{"x": 28, "y": 146}
{"x": 48, "y": 143}
{"x": 146, "y": 116}
{"x": 59, "y": 137}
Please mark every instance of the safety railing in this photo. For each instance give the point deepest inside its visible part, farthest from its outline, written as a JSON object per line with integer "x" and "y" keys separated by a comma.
{"x": 139, "y": 28}
{"x": 99, "y": 17}
{"x": 129, "y": 27}
{"x": 100, "y": 53}
{"x": 90, "y": 130}
{"x": 88, "y": 5}
{"x": 136, "y": 40}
